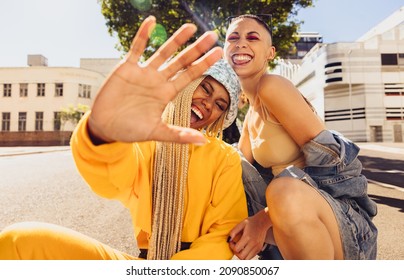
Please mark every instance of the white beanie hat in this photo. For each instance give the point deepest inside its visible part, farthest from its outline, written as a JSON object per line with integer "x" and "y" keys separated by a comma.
{"x": 222, "y": 72}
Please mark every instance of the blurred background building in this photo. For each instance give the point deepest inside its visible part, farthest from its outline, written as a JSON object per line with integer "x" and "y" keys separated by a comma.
{"x": 356, "y": 87}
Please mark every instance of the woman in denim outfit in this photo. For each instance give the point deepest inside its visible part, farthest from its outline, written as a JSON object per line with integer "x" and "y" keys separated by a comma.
{"x": 313, "y": 204}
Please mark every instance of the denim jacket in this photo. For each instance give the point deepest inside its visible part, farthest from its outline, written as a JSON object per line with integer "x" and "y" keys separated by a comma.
{"x": 332, "y": 162}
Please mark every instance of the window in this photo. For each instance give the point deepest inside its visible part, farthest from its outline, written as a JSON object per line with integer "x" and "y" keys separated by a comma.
{"x": 23, "y": 90}
{"x": 40, "y": 90}
{"x": 394, "y": 113}
{"x": 59, "y": 89}
{"x": 393, "y": 89}
{"x": 389, "y": 59}
{"x": 332, "y": 80}
{"x": 333, "y": 64}
{"x": 7, "y": 90}
{"x": 57, "y": 123}
{"x": 5, "y": 121}
{"x": 22, "y": 121}
{"x": 38, "y": 121}
{"x": 84, "y": 91}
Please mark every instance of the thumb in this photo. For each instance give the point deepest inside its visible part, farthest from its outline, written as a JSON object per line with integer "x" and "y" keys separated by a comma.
{"x": 181, "y": 135}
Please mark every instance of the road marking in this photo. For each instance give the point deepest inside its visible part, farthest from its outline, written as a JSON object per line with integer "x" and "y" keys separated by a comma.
{"x": 392, "y": 171}
{"x": 380, "y": 148}
{"x": 386, "y": 185}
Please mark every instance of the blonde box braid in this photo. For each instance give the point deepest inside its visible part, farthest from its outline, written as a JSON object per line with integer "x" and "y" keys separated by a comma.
{"x": 170, "y": 178}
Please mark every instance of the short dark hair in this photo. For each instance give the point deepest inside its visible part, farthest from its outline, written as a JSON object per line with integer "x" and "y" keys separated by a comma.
{"x": 258, "y": 18}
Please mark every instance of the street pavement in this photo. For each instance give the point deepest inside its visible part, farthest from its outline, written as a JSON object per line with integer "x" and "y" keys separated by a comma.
{"x": 43, "y": 185}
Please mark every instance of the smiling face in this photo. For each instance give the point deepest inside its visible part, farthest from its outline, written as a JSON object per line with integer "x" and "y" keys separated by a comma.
{"x": 248, "y": 47}
{"x": 210, "y": 101}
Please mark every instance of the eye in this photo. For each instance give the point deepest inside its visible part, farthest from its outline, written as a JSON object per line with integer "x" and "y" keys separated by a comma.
{"x": 206, "y": 89}
{"x": 221, "y": 106}
{"x": 252, "y": 38}
{"x": 232, "y": 38}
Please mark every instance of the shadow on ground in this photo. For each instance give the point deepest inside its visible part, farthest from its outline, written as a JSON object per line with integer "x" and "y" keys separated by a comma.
{"x": 389, "y": 201}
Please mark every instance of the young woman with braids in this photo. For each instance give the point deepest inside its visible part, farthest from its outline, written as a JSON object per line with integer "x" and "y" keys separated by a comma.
{"x": 159, "y": 153}
{"x": 316, "y": 206}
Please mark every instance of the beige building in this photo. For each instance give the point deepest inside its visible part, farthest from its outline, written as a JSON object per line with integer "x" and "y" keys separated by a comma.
{"x": 32, "y": 97}
{"x": 357, "y": 87}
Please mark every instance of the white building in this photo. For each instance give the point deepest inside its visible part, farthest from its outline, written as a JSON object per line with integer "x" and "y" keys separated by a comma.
{"x": 357, "y": 87}
{"x": 32, "y": 97}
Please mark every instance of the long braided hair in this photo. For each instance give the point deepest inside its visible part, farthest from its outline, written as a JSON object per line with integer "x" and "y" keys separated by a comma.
{"x": 170, "y": 178}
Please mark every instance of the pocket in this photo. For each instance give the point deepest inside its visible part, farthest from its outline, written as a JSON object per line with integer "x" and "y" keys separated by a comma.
{"x": 364, "y": 233}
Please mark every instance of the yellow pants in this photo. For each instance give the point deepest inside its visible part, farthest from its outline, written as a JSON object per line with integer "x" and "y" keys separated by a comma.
{"x": 42, "y": 241}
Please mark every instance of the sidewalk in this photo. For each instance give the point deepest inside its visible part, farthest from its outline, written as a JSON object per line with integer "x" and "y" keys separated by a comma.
{"x": 11, "y": 151}
{"x": 394, "y": 148}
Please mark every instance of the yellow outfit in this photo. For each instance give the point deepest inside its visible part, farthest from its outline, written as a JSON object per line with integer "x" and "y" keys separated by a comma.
{"x": 214, "y": 198}
{"x": 271, "y": 145}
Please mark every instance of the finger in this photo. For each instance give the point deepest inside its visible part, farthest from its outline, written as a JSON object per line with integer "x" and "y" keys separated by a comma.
{"x": 251, "y": 254}
{"x": 197, "y": 68}
{"x": 187, "y": 56}
{"x": 240, "y": 245}
{"x": 182, "y": 135}
{"x": 179, "y": 38}
{"x": 237, "y": 230}
{"x": 139, "y": 43}
{"x": 248, "y": 252}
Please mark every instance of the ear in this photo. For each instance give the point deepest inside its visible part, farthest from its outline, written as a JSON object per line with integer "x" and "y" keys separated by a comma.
{"x": 271, "y": 53}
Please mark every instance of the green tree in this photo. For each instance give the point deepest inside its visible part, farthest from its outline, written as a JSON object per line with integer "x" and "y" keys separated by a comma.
{"x": 123, "y": 17}
{"x": 72, "y": 114}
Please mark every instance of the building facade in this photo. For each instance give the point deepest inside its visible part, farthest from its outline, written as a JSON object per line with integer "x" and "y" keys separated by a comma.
{"x": 357, "y": 87}
{"x": 31, "y": 99}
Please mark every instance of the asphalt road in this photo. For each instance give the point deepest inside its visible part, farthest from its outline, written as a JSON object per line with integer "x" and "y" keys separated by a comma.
{"x": 42, "y": 184}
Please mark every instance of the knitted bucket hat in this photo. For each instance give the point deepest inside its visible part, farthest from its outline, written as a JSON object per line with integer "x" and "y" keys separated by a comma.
{"x": 222, "y": 72}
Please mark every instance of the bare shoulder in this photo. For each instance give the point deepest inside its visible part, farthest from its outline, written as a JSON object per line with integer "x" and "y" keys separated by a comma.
{"x": 271, "y": 79}
{"x": 275, "y": 86}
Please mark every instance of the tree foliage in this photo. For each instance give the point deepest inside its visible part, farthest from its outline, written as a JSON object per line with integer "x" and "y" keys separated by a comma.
{"x": 123, "y": 17}
{"x": 72, "y": 114}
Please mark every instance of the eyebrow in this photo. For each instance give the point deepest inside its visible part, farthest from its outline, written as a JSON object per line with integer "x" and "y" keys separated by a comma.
{"x": 212, "y": 89}
{"x": 210, "y": 86}
{"x": 253, "y": 32}
{"x": 249, "y": 33}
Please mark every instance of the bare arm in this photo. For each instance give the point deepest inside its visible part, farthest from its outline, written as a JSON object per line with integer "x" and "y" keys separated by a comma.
{"x": 287, "y": 105}
{"x": 244, "y": 143}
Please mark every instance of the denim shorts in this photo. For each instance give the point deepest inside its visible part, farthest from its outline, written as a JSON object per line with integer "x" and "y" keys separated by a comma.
{"x": 331, "y": 161}
{"x": 358, "y": 233}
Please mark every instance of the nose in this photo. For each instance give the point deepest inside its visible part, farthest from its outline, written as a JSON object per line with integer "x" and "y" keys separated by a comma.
{"x": 241, "y": 44}
{"x": 207, "y": 103}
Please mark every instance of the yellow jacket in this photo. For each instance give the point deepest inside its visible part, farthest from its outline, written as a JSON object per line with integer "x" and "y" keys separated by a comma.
{"x": 214, "y": 198}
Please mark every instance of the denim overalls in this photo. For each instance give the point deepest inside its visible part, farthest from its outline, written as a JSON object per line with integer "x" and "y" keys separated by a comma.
{"x": 333, "y": 169}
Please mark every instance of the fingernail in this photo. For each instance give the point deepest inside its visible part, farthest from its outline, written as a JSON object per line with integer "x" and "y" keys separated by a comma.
{"x": 228, "y": 239}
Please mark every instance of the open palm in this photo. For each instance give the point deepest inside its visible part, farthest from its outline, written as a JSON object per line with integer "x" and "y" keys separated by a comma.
{"x": 130, "y": 103}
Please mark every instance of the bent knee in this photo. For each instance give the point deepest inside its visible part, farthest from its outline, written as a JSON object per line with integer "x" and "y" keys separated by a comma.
{"x": 288, "y": 198}
{"x": 21, "y": 238}
{"x": 284, "y": 190}
{"x": 14, "y": 237}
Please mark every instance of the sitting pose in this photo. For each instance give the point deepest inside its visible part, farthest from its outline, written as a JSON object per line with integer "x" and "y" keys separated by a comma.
{"x": 316, "y": 206}
{"x": 160, "y": 153}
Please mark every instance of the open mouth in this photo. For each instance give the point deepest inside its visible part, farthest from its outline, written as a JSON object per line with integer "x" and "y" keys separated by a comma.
{"x": 196, "y": 115}
{"x": 239, "y": 59}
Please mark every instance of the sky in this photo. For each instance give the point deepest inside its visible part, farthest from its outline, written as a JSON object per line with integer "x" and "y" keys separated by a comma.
{"x": 66, "y": 30}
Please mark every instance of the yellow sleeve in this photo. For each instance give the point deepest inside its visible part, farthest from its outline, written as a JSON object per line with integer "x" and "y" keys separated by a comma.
{"x": 115, "y": 170}
{"x": 225, "y": 210}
